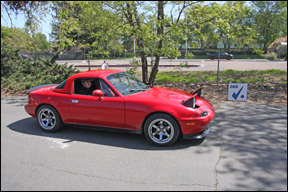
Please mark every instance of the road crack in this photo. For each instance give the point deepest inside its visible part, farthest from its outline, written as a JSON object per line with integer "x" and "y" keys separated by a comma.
{"x": 124, "y": 181}
{"x": 220, "y": 154}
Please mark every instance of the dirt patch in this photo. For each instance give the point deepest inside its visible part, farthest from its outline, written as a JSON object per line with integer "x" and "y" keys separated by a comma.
{"x": 10, "y": 93}
{"x": 267, "y": 93}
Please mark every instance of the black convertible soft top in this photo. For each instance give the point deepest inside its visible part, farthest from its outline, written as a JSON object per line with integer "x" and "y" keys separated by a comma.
{"x": 39, "y": 86}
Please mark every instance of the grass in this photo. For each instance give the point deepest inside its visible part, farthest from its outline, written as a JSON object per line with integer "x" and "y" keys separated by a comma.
{"x": 226, "y": 76}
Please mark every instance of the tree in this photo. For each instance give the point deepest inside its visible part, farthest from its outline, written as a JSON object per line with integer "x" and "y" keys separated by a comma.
{"x": 201, "y": 24}
{"x": 115, "y": 46}
{"x": 146, "y": 21}
{"x": 17, "y": 37}
{"x": 40, "y": 42}
{"x": 277, "y": 48}
{"x": 270, "y": 19}
{"x": 229, "y": 22}
{"x": 4, "y": 33}
{"x": 32, "y": 10}
{"x": 21, "y": 38}
{"x": 27, "y": 38}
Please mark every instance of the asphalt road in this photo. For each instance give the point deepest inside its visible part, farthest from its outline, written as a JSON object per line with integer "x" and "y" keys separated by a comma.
{"x": 245, "y": 150}
{"x": 195, "y": 65}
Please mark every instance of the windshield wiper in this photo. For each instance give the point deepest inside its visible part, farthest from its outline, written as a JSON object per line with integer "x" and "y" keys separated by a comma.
{"x": 132, "y": 90}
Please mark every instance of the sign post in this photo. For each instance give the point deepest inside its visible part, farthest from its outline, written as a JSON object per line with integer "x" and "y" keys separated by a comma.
{"x": 218, "y": 66}
{"x": 219, "y": 46}
{"x": 134, "y": 47}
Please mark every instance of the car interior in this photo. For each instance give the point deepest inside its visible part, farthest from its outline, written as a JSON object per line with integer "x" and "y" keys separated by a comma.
{"x": 107, "y": 91}
{"x": 78, "y": 84}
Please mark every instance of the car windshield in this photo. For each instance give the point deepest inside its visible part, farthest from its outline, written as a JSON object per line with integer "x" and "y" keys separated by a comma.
{"x": 126, "y": 84}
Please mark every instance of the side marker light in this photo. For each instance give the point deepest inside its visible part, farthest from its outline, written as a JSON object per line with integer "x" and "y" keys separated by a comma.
{"x": 204, "y": 114}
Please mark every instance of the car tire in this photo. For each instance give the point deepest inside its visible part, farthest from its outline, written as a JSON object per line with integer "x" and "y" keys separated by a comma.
{"x": 49, "y": 118}
{"x": 228, "y": 58}
{"x": 212, "y": 58}
{"x": 161, "y": 129}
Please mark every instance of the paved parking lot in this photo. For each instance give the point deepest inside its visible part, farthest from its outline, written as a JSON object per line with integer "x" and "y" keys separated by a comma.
{"x": 245, "y": 150}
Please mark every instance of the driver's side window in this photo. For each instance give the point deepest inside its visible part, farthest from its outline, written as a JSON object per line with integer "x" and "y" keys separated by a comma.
{"x": 79, "y": 87}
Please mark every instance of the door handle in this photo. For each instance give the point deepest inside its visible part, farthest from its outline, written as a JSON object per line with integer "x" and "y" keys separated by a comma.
{"x": 74, "y": 101}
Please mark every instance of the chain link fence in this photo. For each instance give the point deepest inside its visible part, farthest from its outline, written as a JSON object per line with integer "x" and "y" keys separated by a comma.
{"x": 238, "y": 53}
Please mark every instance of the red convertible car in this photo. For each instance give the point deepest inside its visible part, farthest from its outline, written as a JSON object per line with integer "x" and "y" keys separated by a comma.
{"x": 119, "y": 101}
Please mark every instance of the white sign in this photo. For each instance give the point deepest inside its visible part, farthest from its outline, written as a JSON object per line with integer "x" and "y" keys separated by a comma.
{"x": 237, "y": 91}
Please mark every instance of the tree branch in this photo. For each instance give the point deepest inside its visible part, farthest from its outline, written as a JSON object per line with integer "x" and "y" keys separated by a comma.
{"x": 7, "y": 14}
{"x": 184, "y": 6}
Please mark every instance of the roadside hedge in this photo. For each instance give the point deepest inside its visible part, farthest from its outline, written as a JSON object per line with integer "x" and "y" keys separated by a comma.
{"x": 19, "y": 74}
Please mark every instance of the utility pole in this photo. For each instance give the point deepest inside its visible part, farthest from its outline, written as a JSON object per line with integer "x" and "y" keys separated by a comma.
{"x": 134, "y": 47}
{"x": 50, "y": 47}
{"x": 218, "y": 66}
{"x": 186, "y": 41}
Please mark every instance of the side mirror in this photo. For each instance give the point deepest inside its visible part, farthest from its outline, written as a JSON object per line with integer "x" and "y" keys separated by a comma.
{"x": 97, "y": 93}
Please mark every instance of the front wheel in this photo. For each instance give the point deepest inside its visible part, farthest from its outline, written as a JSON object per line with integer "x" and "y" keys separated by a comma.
{"x": 161, "y": 130}
{"x": 49, "y": 119}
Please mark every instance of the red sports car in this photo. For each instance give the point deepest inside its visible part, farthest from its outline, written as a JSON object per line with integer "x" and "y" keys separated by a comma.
{"x": 115, "y": 100}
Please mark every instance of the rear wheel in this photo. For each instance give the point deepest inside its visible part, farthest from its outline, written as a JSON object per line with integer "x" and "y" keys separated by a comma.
{"x": 161, "y": 130}
{"x": 49, "y": 119}
{"x": 212, "y": 58}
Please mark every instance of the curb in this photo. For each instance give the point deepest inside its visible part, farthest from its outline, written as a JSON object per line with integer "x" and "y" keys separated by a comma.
{"x": 126, "y": 65}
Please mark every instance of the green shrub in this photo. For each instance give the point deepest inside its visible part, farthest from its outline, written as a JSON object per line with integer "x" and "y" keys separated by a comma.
{"x": 271, "y": 56}
{"x": 18, "y": 74}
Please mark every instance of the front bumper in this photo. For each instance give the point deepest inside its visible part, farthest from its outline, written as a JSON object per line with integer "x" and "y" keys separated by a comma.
{"x": 199, "y": 135}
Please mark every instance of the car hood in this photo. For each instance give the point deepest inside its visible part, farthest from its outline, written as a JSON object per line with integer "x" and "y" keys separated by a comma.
{"x": 162, "y": 94}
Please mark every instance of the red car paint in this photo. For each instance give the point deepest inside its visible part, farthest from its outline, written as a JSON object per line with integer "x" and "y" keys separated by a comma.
{"x": 123, "y": 112}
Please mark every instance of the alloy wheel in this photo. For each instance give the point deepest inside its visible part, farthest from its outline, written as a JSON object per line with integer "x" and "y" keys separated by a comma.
{"x": 47, "y": 119}
{"x": 161, "y": 131}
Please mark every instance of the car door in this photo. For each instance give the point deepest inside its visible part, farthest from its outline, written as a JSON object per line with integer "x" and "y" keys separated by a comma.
{"x": 107, "y": 111}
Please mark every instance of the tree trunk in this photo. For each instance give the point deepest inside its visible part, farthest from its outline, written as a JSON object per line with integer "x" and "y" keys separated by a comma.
{"x": 265, "y": 48}
{"x": 160, "y": 31}
{"x": 144, "y": 64}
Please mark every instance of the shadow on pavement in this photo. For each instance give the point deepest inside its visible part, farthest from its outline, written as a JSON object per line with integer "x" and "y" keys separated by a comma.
{"x": 15, "y": 101}
{"x": 254, "y": 151}
{"x": 118, "y": 139}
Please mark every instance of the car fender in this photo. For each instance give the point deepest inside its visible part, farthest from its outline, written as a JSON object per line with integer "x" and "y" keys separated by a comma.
{"x": 137, "y": 112}
{"x": 58, "y": 104}
{"x": 47, "y": 101}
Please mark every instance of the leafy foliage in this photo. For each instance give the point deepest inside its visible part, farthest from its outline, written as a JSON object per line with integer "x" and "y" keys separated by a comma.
{"x": 32, "y": 10}
{"x": 276, "y": 48}
{"x": 271, "y": 56}
{"x": 270, "y": 18}
{"x": 20, "y": 38}
{"x": 18, "y": 74}
{"x": 133, "y": 70}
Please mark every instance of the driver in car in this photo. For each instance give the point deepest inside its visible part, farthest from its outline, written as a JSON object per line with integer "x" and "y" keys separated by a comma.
{"x": 86, "y": 89}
